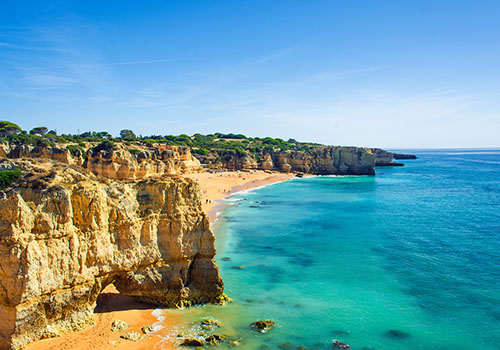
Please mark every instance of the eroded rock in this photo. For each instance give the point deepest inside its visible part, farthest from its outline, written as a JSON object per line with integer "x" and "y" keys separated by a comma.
{"x": 193, "y": 342}
{"x": 132, "y": 336}
{"x": 118, "y": 325}
{"x": 147, "y": 329}
{"x": 337, "y": 345}
{"x": 263, "y": 326}
{"x": 66, "y": 234}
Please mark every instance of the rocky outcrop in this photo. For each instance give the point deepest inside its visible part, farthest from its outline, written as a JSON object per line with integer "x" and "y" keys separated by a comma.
{"x": 384, "y": 158}
{"x": 118, "y": 161}
{"x": 404, "y": 156}
{"x": 322, "y": 160}
{"x": 66, "y": 234}
{"x": 328, "y": 160}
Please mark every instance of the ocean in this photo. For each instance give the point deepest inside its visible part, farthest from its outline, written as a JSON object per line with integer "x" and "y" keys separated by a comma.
{"x": 407, "y": 259}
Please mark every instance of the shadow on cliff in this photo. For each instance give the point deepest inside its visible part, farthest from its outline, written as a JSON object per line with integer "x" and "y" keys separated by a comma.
{"x": 111, "y": 300}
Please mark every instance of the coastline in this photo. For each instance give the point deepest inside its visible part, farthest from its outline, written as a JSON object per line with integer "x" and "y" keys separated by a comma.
{"x": 214, "y": 187}
{"x": 220, "y": 185}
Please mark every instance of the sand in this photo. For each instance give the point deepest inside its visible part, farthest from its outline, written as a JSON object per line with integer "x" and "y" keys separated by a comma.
{"x": 113, "y": 306}
{"x": 216, "y": 186}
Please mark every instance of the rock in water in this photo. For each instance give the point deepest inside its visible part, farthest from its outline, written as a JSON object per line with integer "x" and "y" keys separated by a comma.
{"x": 215, "y": 339}
{"x": 263, "y": 326}
{"x": 193, "y": 342}
{"x": 235, "y": 342}
{"x": 66, "y": 234}
{"x": 210, "y": 324}
{"x": 118, "y": 325}
{"x": 340, "y": 346}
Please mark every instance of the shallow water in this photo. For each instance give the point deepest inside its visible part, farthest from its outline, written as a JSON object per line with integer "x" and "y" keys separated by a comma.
{"x": 414, "y": 249}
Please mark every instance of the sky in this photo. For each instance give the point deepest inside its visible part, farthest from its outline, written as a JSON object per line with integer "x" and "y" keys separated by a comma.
{"x": 393, "y": 74}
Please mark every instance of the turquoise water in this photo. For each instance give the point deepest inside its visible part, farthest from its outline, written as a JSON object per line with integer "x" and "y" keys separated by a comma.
{"x": 414, "y": 249}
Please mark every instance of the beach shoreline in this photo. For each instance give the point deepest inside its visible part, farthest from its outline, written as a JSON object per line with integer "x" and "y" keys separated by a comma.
{"x": 113, "y": 306}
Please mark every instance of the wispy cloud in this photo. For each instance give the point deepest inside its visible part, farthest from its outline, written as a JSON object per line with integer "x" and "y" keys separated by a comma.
{"x": 275, "y": 55}
{"x": 140, "y": 62}
{"x": 50, "y": 80}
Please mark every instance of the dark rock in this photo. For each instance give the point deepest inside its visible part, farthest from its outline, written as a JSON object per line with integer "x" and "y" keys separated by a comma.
{"x": 286, "y": 346}
{"x": 394, "y": 333}
{"x": 226, "y": 258}
{"x": 263, "y": 326}
{"x": 193, "y": 342}
{"x": 147, "y": 329}
{"x": 404, "y": 156}
{"x": 340, "y": 346}
{"x": 215, "y": 339}
{"x": 238, "y": 267}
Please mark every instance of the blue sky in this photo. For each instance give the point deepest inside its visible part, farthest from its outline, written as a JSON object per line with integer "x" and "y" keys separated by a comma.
{"x": 367, "y": 73}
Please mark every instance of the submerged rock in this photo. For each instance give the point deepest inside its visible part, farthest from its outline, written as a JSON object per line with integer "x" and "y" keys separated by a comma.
{"x": 132, "y": 336}
{"x": 341, "y": 332}
{"x": 118, "y": 325}
{"x": 215, "y": 339}
{"x": 238, "y": 267}
{"x": 235, "y": 342}
{"x": 286, "y": 346}
{"x": 263, "y": 326}
{"x": 193, "y": 342}
{"x": 209, "y": 323}
{"x": 394, "y": 333}
{"x": 337, "y": 345}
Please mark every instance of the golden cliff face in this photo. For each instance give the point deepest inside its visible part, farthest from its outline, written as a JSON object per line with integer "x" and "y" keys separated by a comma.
{"x": 65, "y": 234}
{"x": 120, "y": 162}
{"x": 325, "y": 160}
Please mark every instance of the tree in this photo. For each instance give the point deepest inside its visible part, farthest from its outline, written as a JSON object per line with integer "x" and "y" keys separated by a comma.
{"x": 40, "y": 130}
{"x": 8, "y": 128}
{"x": 127, "y": 135}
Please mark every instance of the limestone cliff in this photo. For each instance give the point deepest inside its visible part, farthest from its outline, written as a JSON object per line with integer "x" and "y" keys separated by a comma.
{"x": 117, "y": 161}
{"x": 323, "y": 160}
{"x": 384, "y": 158}
{"x": 65, "y": 234}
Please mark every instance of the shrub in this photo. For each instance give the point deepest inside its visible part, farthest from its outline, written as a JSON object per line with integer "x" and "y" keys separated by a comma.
{"x": 8, "y": 176}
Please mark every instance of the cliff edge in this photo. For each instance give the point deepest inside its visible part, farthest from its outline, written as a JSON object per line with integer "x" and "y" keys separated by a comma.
{"x": 65, "y": 234}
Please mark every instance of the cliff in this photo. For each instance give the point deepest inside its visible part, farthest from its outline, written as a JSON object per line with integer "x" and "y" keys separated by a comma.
{"x": 116, "y": 161}
{"x": 384, "y": 158}
{"x": 322, "y": 160}
{"x": 65, "y": 234}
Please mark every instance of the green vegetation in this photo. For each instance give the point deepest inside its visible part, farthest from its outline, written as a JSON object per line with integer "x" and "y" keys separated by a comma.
{"x": 8, "y": 176}
{"x": 208, "y": 148}
{"x": 41, "y": 130}
{"x": 8, "y": 128}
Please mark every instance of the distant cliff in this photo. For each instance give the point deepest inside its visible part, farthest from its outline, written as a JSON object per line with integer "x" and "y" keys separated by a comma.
{"x": 386, "y": 158}
{"x": 322, "y": 160}
{"x": 65, "y": 234}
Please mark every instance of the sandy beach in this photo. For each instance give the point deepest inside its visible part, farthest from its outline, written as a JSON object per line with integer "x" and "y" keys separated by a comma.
{"x": 113, "y": 306}
{"x": 218, "y": 185}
